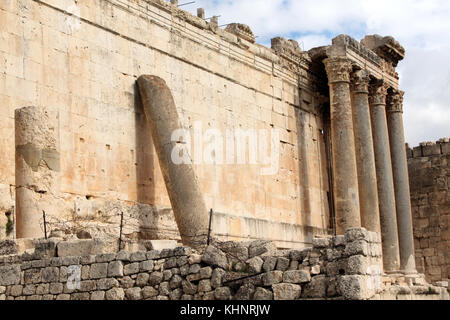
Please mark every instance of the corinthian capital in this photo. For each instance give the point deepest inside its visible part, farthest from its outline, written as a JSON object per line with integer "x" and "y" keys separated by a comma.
{"x": 360, "y": 81}
{"x": 378, "y": 92}
{"x": 338, "y": 69}
{"x": 395, "y": 101}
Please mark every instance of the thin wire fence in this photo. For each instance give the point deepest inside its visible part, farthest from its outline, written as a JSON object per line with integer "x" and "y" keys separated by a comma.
{"x": 112, "y": 226}
{"x": 114, "y": 223}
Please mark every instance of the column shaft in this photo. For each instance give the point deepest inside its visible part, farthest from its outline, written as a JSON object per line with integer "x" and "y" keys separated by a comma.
{"x": 365, "y": 157}
{"x": 385, "y": 181}
{"x": 37, "y": 169}
{"x": 401, "y": 182}
{"x": 345, "y": 186}
{"x": 181, "y": 181}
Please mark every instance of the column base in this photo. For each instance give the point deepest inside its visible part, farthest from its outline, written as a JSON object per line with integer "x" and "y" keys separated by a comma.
{"x": 409, "y": 272}
{"x": 394, "y": 273}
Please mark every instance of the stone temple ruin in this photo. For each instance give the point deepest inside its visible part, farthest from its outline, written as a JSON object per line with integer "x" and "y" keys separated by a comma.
{"x": 91, "y": 94}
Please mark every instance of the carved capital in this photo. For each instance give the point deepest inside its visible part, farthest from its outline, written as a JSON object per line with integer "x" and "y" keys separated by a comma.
{"x": 360, "y": 81}
{"x": 378, "y": 92}
{"x": 394, "y": 101}
{"x": 338, "y": 69}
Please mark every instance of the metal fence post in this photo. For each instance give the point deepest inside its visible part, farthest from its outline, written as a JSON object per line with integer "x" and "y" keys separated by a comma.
{"x": 209, "y": 228}
{"x": 121, "y": 227}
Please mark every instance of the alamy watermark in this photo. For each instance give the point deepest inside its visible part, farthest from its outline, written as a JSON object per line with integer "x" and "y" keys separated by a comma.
{"x": 74, "y": 277}
{"x": 231, "y": 147}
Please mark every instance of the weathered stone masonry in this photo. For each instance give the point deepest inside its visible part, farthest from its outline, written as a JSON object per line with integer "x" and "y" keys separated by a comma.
{"x": 89, "y": 142}
{"x": 430, "y": 199}
{"x": 83, "y": 62}
{"x": 342, "y": 267}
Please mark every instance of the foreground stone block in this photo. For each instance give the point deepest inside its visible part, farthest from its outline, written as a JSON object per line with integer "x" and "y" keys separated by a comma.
{"x": 115, "y": 269}
{"x": 355, "y": 234}
{"x": 255, "y": 265}
{"x": 317, "y": 288}
{"x": 237, "y": 251}
{"x": 99, "y": 270}
{"x": 8, "y": 247}
{"x": 271, "y": 278}
{"x": 133, "y": 294}
{"x": 358, "y": 247}
{"x": 149, "y": 292}
{"x": 50, "y": 274}
{"x": 98, "y": 295}
{"x": 286, "y": 291}
{"x": 245, "y": 292}
{"x": 296, "y": 276}
{"x": 222, "y": 293}
{"x": 9, "y": 275}
{"x": 216, "y": 277}
{"x": 322, "y": 242}
{"x": 282, "y": 264}
{"x": 261, "y": 248}
{"x": 115, "y": 294}
{"x": 262, "y": 294}
{"x": 45, "y": 248}
{"x": 355, "y": 287}
{"x": 357, "y": 265}
{"x": 269, "y": 263}
{"x": 215, "y": 257}
{"x": 80, "y": 248}
{"x": 107, "y": 284}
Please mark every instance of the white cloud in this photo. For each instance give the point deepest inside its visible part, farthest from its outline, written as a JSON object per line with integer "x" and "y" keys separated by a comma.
{"x": 421, "y": 26}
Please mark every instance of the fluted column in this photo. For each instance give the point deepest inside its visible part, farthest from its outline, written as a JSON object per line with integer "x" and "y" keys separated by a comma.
{"x": 365, "y": 157}
{"x": 401, "y": 180}
{"x": 345, "y": 184}
{"x": 388, "y": 218}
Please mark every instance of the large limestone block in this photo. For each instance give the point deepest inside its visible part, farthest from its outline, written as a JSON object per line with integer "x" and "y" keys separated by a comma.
{"x": 8, "y": 247}
{"x": 286, "y": 291}
{"x": 80, "y": 248}
{"x": 9, "y": 275}
{"x": 355, "y": 287}
{"x": 162, "y": 244}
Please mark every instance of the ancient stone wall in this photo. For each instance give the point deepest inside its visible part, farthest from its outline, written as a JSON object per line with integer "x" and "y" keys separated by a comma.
{"x": 429, "y": 172}
{"x": 342, "y": 267}
{"x": 82, "y": 59}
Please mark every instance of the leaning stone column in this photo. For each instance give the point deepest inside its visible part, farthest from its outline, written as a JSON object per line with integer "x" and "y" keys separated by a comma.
{"x": 401, "y": 181}
{"x": 345, "y": 186}
{"x": 385, "y": 180}
{"x": 365, "y": 157}
{"x": 181, "y": 182}
{"x": 37, "y": 168}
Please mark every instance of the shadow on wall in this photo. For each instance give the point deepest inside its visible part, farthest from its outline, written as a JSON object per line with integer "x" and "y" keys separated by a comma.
{"x": 304, "y": 137}
{"x": 145, "y": 156}
{"x": 305, "y": 201}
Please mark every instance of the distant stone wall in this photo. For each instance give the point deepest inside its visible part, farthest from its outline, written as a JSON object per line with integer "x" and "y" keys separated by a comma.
{"x": 429, "y": 172}
{"x": 342, "y": 267}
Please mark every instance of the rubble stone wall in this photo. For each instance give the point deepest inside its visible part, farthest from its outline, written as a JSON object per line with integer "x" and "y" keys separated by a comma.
{"x": 82, "y": 58}
{"x": 342, "y": 267}
{"x": 429, "y": 174}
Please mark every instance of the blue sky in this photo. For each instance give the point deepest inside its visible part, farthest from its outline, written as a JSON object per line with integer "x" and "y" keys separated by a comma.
{"x": 421, "y": 26}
